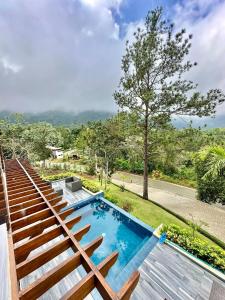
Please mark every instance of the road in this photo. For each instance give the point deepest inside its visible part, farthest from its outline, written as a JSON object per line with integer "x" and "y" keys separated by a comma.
{"x": 179, "y": 199}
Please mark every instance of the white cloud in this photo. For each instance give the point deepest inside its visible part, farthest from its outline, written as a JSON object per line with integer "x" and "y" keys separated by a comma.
{"x": 9, "y": 66}
{"x": 102, "y": 3}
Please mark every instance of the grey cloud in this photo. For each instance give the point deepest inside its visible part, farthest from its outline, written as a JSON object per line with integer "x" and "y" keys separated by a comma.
{"x": 208, "y": 44}
{"x": 68, "y": 55}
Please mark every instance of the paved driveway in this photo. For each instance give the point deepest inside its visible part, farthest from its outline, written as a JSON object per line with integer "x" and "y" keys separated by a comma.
{"x": 179, "y": 199}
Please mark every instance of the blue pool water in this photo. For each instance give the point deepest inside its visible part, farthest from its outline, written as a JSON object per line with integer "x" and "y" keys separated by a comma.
{"x": 119, "y": 232}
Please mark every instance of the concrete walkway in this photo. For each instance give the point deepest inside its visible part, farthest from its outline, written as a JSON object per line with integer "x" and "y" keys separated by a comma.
{"x": 181, "y": 200}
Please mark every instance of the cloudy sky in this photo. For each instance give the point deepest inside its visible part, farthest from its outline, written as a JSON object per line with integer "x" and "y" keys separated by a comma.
{"x": 66, "y": 54}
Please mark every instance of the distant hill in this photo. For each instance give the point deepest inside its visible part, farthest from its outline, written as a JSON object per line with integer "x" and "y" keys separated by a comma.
{"x": 59, "y": 117}
{"x": 217, "y": 122}
{"x": 70, "y": 118}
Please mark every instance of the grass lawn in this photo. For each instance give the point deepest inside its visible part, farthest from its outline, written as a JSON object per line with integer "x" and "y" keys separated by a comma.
{"x": 184, "y": 182}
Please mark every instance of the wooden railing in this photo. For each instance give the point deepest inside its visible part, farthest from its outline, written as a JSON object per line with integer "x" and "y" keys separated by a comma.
{"x": 33, "y": 207}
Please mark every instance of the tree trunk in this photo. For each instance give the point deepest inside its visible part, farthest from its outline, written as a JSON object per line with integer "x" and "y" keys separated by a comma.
{"x": 101, "y": 175}
{"x": 106, "y": 174}
{"x": 96, "y": 164}
{"x": 145, "y": 186}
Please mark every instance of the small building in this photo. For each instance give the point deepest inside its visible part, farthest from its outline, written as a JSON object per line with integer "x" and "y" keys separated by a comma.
{"x": 56, "y": 152}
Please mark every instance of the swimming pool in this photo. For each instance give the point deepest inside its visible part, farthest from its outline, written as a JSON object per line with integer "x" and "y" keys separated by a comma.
{"x": 121, "y": 232}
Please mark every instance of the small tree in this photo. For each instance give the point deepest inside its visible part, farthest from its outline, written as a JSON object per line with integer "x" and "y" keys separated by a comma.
{"x": 152, "y": 85}
{"x": 196, "y": 226}
{"x": 38, "y": 137}
{"x": 103, "y": 142}
{"x": 11, "y": 136}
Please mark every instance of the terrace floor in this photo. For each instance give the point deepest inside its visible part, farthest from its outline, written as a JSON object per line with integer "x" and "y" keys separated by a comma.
{"x": 70, "y": 197}
{"x": 165, "y": 273}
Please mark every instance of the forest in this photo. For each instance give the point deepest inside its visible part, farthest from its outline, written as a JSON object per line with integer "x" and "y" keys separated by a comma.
{"x": 191, "y": 156}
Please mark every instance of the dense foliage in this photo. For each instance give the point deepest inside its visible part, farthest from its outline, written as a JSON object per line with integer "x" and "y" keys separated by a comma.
{"x": 20, "y": 139}
{"x": 117, "y": 144}
{"x": 210, "y": 170}
{"x": 213, "y": 255}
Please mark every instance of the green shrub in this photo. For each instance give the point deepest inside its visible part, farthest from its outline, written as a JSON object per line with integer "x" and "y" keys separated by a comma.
{"x": 91, "y": 168}
{"x": 57, "y": 176}
{"x": 89, "y": 185}
{"x": 122, "y": 187}
{"x": 132, "y": 166}
{"x": 213, "y": 255}
{"x": 137, "y": 167}
{"x": 186, "y": 173}
{"x": 209, "y": 164}
{"x": 112, "y": 198}
{"x": 127, "y": 205}
{"x": 122, "y": 164}
{"x": 168, "y": 169}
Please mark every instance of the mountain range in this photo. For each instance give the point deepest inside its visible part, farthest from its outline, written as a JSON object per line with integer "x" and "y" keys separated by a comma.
{"x": 58, "y": 117}
{"x": 69, "y": 118}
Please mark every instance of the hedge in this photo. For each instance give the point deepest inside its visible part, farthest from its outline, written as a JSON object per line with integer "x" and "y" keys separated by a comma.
{"x": 213, "y": 255}
{"x": 89, "y": 185}
{"x": 57, "y": 176}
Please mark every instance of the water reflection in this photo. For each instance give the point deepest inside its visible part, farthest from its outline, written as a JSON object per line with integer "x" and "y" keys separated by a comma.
{"x": 99, "y": 209}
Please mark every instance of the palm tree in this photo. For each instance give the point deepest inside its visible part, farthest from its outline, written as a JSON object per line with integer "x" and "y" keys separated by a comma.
{"x": 215, "y": 162}
{"x": 210, "y": 170}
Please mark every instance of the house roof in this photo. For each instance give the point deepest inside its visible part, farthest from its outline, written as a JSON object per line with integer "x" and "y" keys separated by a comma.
{"x": 53, "y": 148}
